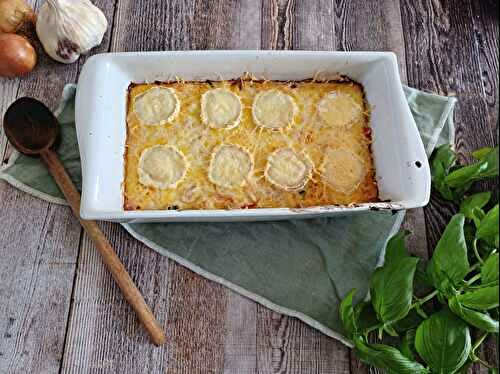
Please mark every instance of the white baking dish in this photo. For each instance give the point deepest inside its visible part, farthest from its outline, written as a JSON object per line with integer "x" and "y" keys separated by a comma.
{"x": 402, "y": 170}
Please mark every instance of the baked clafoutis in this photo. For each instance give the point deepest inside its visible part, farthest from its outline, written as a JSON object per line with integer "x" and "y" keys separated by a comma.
{"x": 247, "y": 143}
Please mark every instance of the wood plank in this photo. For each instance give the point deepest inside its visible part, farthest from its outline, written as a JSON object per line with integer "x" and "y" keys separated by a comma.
{"x": 486, "y": 27}
{"x": 240, "y": 344}
{"x": 38, "y": 255}
{"x": 366, "y": 26}
{"x": 104, "y": 334}
{"x": 193, "y": 309}
{"x": 284, "y": 344}
{"x": 442, "y": 58}
{"x": 8, "y": 92}
{"x": 45, "y": 238}
{"x": 448, "y": 53}
{"x": 37, "y": 264}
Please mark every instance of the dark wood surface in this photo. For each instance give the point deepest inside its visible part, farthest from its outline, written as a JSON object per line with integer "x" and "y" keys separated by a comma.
{"x": 59, "y": 308}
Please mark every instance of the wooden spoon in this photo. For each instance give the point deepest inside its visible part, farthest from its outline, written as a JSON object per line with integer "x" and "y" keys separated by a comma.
{"x": 32, "y": 129}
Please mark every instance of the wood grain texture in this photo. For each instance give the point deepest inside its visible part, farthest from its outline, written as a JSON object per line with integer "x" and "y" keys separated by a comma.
{"x": 195, "y": 314}
{"x": 286, "y": 346}
{"x": 442, "y": 57}
{"x": 38, "y": 253}
{"x": 281, "y": 346}
{"x": 104, "y": 334}
{"x": 448, "y": 52}
{"x": 365, "y": 26}
{"x": 441, "y": 46}
{"x": 37, "y": 264}
{"x": 486, "y": 27}
{"x": 240, "y": 341}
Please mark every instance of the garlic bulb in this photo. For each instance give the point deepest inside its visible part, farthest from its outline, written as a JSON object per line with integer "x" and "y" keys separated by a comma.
{"x": 69, "y": 28}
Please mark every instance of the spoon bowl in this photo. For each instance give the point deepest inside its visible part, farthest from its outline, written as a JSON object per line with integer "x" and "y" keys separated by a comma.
{"x": 30, "y": 126}
{"x": 32, "y": 129}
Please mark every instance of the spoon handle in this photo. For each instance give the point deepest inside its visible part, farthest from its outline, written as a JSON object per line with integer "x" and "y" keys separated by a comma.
{"x": 111, "y": 260}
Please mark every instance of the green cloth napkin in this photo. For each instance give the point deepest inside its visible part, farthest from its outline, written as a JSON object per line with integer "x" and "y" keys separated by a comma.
{"x": 301, "y": 268}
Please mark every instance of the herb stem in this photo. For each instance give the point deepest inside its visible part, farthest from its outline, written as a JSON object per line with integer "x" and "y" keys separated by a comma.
{"x": 476, "y": 252}
{"x": 373, "y": 328}
{"x": 473, "y": 279}
{"x": 479, "y": 341}
{"x": 484, "y": 363}
{"x": 422, "y": 301}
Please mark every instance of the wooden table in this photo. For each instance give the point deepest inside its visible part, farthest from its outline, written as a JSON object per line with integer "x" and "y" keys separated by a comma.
{"x": 59, "y": 308}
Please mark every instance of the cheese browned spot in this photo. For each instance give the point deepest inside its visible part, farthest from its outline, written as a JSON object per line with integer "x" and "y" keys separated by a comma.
{"x": 156, "y": 106}
{"x": 287, "y": 169}
{"x": 220, "y": 108}
{"x": 162, "y": 166}
{"x": 230, "y": 166}
{"x": 273, "y": 109}
{"x": 342, "y": 169}
{"x": 339, "y": 109}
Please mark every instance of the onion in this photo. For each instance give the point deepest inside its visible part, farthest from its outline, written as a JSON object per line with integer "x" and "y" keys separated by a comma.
{"x": 13, "y": 14}
{"x": 17, "y": 55}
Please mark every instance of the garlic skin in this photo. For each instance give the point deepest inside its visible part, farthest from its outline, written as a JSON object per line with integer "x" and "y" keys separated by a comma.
{"x": 69, "y": 28}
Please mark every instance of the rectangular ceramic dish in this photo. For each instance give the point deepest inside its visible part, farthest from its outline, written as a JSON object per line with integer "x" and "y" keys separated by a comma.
{"x": 401, "y": 166}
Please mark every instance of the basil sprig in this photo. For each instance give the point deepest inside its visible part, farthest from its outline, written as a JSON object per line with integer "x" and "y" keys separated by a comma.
{"x": 462, "y": 274}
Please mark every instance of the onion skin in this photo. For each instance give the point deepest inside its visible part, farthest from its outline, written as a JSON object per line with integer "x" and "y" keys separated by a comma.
{"x": 17, "y": 55}
{"x": 14, "y": 14}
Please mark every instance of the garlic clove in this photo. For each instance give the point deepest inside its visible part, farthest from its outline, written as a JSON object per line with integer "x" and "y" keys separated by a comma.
{"x": 69, "y": 28}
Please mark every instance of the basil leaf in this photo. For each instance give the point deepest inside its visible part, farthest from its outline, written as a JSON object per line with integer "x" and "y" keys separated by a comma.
{"x": 481, "y": 153}
{"x": 477, "y": 319}
{"x": 443, "y": 342}
{"x": 387, "y": 358}
{"x": 449, "y": 264}
{"x": 469, "y": 205}
{"x": 364, "y": 317}
{"x": 391, "y": 289}
{"x": 489, "y": 270}
{"x": 483, "y": 298}
{"x": 442, "y": 160}
{"x": 407, "y": 346}
{"x": 492, "y": 159}
{"x": 347, "y": 314}
{"x": 487, "y": 167}
{"x": 465, "y": 175}
{"x": 488, "y": 229}
{"x": 422, "y": 279}
{"x": 396, "y": 247}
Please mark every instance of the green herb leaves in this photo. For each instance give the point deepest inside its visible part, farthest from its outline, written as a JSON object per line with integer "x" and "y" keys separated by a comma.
{"x": 391, "y": 285}
{"x": 388, "y": 358}
{"x": 391, "y": 289}
{"x": 443, "y": 341}
{"x": 483, "y": 298}
{"x": 441, "y": 162}
{"x": 347, "y": 314}
{"x": 482, "y": 321}
{"x": 489, "y": 270}
{"x": 452, "y": 182}
{"x": 463, "y": 273}
{"x": 449, "y": 264}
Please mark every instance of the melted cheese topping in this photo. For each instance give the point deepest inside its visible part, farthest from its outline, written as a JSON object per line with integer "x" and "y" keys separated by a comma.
{"x": 156, "y": 106}
{"x": 161, "y": 166}
{"x": 339, "y": 109}
{"x": 199, "y": 144}
{"x": 230, "y": 166}
{"x": 220, "y": 108}
{"x": 273, "y": 109}
{"x": 287, "y": 170}
{"x": 343, "y": 170}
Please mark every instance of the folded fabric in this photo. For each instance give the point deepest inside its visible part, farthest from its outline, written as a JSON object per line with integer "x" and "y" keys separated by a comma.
{"x": 301, "y": 268}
